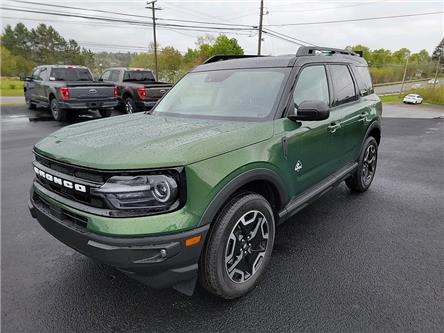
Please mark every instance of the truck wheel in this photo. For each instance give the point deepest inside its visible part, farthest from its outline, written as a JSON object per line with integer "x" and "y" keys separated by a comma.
{"x": 239, "y": 246}
{"x": 130, "y": 106}
{"x": 105, "y": 113}
{"x": 361, "y": 180}
{"x": 57, "y": 113}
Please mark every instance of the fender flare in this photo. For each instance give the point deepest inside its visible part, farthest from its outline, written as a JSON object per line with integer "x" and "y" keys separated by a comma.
{"x": 237, "y": 182}
{"x": 375, "y": 124}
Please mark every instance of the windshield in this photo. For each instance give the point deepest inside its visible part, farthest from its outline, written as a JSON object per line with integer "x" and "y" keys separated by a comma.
{"x": 225, "y": 94}
{"x": 138, "y": 76}
{"x": 70, "y": 74}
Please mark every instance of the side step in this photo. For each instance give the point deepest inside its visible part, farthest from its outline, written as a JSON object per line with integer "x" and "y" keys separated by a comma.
{"x": 316, "y": 192}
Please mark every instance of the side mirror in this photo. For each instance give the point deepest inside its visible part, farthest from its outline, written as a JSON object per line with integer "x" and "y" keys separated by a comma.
{"x": 22, "y": 77}
{"x": 311, "y": 110}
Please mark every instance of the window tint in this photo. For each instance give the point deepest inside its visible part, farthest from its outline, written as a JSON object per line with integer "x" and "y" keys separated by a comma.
{"x": 343, "y": 86}
{"x": 138, "y": 75}
{"x": 311, "y": 86}
{"x": 71, "y": 74}
{"x": 363, "y": 79}
{"x": 35, "y": 74}
{"x": 44, "y": 74}
{"x": 225, "y": 94}
{"x": 114, "y": 76}
{"x": 105, "y": 76}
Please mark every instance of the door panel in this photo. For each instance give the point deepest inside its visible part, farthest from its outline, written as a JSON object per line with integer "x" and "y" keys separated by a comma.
{"x": 348, "y": 107}
{"x": 313, "y": 147}
{"x": 33, "y": 86}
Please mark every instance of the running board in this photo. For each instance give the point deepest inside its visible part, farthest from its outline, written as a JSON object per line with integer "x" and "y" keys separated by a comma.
{"x": 316, "y": 192}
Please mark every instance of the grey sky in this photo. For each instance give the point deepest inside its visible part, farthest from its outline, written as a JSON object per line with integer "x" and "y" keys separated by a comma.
{"x": 415, "y": 33}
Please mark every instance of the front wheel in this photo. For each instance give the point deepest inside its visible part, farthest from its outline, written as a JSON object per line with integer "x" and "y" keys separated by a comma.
{"x": 57, "y": 113}
{"x": 239, "y": 246}
{"x": 362, "y": 178}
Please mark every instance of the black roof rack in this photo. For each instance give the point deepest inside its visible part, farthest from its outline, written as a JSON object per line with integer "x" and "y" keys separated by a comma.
{"x": 222, "y": 57}
{"x": 319, "y": 50}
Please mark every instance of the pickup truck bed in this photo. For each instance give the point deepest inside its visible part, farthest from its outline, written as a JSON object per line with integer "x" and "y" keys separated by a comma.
{"x": 68, "y": 90}
{"x": 136, "y": 87}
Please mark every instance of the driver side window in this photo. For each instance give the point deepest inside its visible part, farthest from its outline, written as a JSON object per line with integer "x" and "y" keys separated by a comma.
{"x": 312, "y": 85}
{"x": 36, "y": 74}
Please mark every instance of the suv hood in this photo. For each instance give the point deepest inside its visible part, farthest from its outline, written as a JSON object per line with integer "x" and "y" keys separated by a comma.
{"x": 142, "y": 141}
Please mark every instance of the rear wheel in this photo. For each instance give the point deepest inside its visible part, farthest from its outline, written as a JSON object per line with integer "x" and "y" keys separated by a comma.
{"x": 130, "y": 106}
{"x": 361, "y": 180}
{"x": 239, "y": 246}
{"x": 57, "y": 113}
{"x": 105, "y": 113}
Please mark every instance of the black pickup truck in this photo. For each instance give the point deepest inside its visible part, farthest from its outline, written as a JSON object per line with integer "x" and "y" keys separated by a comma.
{"x": 67, "y": 91}
{"x": 137, "y": 88}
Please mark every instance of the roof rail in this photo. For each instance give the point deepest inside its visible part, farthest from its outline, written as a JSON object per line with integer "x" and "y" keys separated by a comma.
{"x": 222, "y": 57}
{"x": 319, "y": 50}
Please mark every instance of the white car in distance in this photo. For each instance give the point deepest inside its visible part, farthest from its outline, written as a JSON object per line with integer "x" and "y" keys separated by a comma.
{"x": 412, "y": 99}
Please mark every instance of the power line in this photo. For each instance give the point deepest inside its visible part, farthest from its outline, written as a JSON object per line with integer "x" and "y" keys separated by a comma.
{"x": 319, "y": 9}
{"x": 289, "y": 37}
{"x": 282, "y": 38}
{"x": 125, "y": 14}
{"x": 111, "y": 25}
{"x": 355, "y": 20}
{"x": 108, "y": 19}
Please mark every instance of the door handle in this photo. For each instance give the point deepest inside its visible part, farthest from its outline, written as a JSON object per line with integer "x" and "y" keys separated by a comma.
{"x": 363, "y": 116}
{"x": 333, "y": 127}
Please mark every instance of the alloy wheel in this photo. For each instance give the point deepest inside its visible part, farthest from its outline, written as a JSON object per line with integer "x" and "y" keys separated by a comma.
{"x": 246, "y": 246}
{"x": 128, "y": 107}
{"x": 369, "y": 164}
{"x": 55, "y": 110}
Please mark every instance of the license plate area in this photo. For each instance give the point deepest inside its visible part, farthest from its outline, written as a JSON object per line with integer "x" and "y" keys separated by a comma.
{"x": 94, "y": 105}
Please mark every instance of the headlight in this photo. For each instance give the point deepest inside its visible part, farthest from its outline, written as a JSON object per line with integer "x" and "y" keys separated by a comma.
{"x": 149, "y": 193}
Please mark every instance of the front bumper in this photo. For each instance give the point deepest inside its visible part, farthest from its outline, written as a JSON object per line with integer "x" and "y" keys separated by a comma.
{"x": 158, "y": 261}
{"x": 88, "y": 105}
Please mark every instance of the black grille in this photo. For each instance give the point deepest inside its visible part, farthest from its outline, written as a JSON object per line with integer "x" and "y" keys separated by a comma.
{"x": 71, "y": 170}
{"x": 60, "y": 213}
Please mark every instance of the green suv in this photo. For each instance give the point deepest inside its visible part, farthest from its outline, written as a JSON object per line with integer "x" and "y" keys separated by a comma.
{"x": 195, "y": 189}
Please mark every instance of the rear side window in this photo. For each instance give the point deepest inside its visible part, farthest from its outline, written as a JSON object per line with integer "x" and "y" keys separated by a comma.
{"x": 105, "y": 76}
{"x": 312, "y": 85}
{"x": 364, "y": 80}
{"x": 114, "y": 76}
{"x": 343, "y": 85}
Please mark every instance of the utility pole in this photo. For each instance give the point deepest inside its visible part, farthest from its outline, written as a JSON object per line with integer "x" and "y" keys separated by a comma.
{"x": 405, "y": 72}
{"x": 438, "y": 66}
{"x": 259, "y": 41}
{"x": 150, "y": 5}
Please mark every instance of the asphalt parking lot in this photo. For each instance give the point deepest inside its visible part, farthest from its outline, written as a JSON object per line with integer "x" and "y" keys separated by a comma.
{"x": 348, "y": 263}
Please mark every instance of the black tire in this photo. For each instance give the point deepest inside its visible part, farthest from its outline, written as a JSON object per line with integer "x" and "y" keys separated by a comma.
{"x": 105, "y": 113}
{"x": 363, "y": 177}
{"x": 130, "y": 106}
{"x": 57, "y": 114}
{"x": 231, "y": 262}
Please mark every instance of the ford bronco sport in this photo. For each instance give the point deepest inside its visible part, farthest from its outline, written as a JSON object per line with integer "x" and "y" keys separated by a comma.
{"x": 195, "y": 190}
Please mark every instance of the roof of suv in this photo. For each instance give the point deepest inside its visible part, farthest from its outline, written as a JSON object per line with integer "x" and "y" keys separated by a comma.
{"x": 304, "y": 55}
{"x": 128, "y": 69}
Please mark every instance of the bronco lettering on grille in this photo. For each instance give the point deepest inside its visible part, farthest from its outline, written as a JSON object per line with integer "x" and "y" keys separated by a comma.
{"x": 60, "y": 181}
